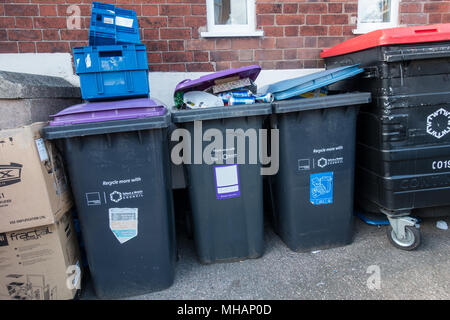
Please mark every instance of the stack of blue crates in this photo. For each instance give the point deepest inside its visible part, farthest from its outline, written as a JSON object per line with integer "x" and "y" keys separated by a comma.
{"x": 110, "y": 25}
{"x": 114, "y": 65}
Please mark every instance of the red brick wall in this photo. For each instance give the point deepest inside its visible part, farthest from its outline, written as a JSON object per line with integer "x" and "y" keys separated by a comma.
{"x": 294, "y": 31}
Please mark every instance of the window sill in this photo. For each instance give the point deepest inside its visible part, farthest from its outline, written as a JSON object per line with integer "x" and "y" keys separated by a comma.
{"x": 257, "y": 33}
{"x": 370, "y": 29}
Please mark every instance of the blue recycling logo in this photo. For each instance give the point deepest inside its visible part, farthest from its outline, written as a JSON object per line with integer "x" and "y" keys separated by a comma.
{"x": 321, "y": 188}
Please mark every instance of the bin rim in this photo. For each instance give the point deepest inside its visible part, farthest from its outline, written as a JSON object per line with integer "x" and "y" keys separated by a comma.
{"x": 214, "y": 113}
{"x": 331, "y": 101}
{"x": 391, "y": 36}
{"x": 100, "y": 111}
{"x": 106, "y": 127}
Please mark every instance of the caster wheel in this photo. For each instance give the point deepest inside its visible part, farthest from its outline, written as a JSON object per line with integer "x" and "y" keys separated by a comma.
{"x": 412, "y": 238}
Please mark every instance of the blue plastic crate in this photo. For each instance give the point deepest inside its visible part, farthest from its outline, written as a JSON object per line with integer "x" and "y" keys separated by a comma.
{"x": 112, "y": 72}
{"x": 111, "y": 25}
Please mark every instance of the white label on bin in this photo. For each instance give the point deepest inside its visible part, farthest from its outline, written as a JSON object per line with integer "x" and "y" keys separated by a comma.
{"x": 123, "y": 222}
{"x": 43, "y": 155}
{"x": 124, "y": 22}
{"x": 108, "y": 20}
{"x": 227, "y": 181}
{"x": 87, "y": 61}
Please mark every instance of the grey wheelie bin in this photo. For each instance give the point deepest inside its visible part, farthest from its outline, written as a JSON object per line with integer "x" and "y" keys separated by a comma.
{"x": 117, "y": 157}
{"x": 226, "y": 197}
{"x": 313, "y": 190}
{"x": 226, "y": 193}
{"x": 312, "y": 193}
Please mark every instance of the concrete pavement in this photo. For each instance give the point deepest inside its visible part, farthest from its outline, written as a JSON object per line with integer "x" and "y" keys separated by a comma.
{"x": 339, "y": 273}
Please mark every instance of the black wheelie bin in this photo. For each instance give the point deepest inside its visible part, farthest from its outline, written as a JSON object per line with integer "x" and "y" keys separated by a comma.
{"x": 226, "y": 195}
{"x": 117, "y": 158}
{"x": 312, "y": 193}
{"x": 403, "y": 147}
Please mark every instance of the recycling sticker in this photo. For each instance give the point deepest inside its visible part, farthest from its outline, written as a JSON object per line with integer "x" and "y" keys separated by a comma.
{"x": 321, "y": 188}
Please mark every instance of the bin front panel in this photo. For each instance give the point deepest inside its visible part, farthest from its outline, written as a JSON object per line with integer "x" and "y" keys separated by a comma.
{"x": 313, "y": 190}
{"x": 226, "y": 199}
{"x": 121, "y": 184}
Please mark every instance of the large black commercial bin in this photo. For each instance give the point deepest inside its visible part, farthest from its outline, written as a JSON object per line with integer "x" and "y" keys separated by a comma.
{"x": 312, "y": 193}
{"x": 226, "y": 198}
{"x": 403, "y": 135}
{"x": 117, "y": 158}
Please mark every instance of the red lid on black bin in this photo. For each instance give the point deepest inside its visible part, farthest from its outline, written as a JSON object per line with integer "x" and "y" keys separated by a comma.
{"x": 383, "y": 37}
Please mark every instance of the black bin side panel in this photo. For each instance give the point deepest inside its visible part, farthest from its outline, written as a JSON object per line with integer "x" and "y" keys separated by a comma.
{"x": 403, "y": 156}
{"x": 302, "y": 224}
{"x": 146, "y": 262}
{"x": 226, "y": 229}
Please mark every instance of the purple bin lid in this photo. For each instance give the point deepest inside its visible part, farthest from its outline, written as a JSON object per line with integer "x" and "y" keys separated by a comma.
{"x": 207, "y": 81}
{"x": 108, "y": 111}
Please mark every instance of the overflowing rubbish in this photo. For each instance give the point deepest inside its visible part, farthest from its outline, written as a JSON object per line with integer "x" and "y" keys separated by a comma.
{"x": 227, "y": 84}
{"x": 441, "y": 224}
{"x": 201, "y": 99}
{"x": 235, "y": 101}
{"x": 245, "y": 97}
{"x": 237, "y": 87}
{"x": 233, "y": 85}
{"x": 321, "y": 92}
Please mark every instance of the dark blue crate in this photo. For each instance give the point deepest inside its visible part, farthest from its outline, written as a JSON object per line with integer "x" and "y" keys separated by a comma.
{"x": 111, "y": 25}
{"x": 112, "y": 72}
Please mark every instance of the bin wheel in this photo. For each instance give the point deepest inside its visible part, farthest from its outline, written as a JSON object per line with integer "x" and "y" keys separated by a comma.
{"x": 412, "y": 238}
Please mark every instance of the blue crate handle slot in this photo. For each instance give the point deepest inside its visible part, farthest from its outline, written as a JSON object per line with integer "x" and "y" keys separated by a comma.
{"x": 110, "y": 53}
{"x": 100, "y": 87}
{"x": 130, "y": 85}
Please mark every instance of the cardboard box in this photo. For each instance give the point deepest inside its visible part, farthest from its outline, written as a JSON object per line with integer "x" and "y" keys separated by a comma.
{"x": 33, "y": 184}
{"x": 41, "y": 263}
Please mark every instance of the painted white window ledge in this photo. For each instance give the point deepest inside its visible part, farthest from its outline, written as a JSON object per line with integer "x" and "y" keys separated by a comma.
{"x": 369, "y": 29}
{"x": 257, "y": 33}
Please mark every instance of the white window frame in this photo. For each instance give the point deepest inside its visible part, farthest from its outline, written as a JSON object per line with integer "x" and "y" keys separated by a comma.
{"x": 232, "y": 30}
{"x": 371, "y": 26}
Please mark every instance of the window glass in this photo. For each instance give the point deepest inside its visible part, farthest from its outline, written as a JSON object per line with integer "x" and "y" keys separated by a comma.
{"x": 374, "y": 11}
{"x": 230, "y": 12}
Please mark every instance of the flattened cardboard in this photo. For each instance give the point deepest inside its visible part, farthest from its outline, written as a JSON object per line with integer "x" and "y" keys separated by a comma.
{"x": 33, "y": 184}
{"x": 41, "y": 263}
